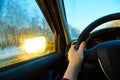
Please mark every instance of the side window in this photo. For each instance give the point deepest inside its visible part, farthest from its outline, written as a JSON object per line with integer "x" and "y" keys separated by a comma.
{"x": 24, "y": 32}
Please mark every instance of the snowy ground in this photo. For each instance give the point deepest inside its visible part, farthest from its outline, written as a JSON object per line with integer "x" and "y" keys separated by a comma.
{"x": 9, "y": 52}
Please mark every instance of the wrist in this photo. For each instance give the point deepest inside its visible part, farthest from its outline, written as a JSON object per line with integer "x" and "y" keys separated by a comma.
{"x": 74, "y": 66}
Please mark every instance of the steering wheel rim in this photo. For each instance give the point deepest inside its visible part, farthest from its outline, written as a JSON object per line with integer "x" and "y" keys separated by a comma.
{"x": 96, "y": 50}
{"x": 85, "y": 33}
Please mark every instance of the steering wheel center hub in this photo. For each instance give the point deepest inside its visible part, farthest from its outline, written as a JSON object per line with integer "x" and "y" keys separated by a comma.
{"x": 109, "y": 57}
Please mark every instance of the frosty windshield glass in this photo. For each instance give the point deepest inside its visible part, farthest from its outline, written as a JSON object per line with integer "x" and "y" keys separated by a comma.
{"x": 24, "y": 32}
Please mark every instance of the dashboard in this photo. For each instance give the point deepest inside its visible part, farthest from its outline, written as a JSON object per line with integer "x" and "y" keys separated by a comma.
{"x": 103, "y": 35}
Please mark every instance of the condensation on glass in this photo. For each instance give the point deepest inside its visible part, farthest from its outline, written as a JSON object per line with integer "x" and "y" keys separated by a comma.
{"x": 21, "y": 21}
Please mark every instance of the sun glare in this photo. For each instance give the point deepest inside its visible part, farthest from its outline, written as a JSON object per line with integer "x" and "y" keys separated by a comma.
{"x": 35, "y": 45}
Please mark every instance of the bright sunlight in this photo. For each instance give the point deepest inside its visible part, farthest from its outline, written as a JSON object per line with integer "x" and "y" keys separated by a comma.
{"x": 35, "y": 45}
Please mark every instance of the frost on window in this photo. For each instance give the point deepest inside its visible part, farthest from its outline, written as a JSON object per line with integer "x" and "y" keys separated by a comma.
{"x": 21, "y": 20}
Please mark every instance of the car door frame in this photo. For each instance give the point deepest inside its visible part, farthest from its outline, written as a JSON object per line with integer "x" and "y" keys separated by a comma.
{"x": 52, "y": 65}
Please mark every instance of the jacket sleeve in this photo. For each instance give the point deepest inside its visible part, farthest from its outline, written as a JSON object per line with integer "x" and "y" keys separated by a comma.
{"x": 65, "y": 79}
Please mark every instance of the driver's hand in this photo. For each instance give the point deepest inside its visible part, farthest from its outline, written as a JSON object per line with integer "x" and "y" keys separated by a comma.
{"x": 75, "y": 57}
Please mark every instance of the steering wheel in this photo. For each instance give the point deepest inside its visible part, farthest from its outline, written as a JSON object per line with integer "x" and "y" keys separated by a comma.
{"x": 107, "y": 53}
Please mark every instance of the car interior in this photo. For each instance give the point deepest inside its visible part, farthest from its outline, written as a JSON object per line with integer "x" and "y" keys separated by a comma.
{"x": 101, "y": 54}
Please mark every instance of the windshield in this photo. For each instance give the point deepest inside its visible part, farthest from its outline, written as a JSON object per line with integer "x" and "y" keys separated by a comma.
{"x": 81, "y": 13}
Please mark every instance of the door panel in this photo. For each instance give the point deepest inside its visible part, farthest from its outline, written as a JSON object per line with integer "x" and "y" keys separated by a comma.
{"x": 35, "y": 69}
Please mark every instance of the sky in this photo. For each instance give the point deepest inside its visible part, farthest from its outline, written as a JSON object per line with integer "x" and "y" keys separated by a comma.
{"x": 81, "y": 13}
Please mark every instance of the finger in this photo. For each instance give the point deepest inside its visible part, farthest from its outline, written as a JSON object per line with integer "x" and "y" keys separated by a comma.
{"x": 72, "y": 48}
{"x": 81, "y": 47}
